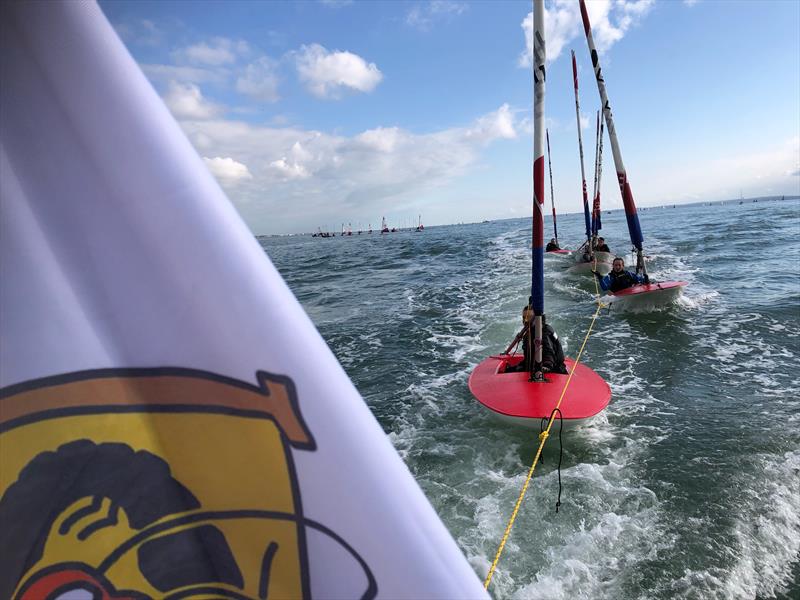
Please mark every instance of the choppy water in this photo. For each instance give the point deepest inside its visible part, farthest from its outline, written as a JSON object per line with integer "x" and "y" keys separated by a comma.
{"x": 688, "y": 487}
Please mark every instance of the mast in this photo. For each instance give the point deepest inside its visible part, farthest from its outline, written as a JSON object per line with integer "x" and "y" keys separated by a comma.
{"x": 634, "y": 229}
{"x": 596, "y": 223}
{"x": 596, "y": 163}
{"x": 580, "y": 148}
{"x": 537, "y": 247}
{"x": 552, "y": 199}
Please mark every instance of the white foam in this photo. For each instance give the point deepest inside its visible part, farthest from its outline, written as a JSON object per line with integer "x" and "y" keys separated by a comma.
{"x": 768, "y": 531}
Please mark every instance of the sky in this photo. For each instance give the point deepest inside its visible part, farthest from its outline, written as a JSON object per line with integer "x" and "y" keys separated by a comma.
{"x": 317, "y": 113}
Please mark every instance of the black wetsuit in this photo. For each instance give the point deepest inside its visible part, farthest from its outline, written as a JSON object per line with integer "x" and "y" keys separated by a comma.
{"x": 551, "y": 246}
{"x": 616, "y": 282}
{"x": 552, "y": 353}
{"x": 603, "y": 248}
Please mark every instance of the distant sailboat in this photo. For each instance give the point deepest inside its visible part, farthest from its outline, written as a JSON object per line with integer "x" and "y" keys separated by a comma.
{"x": 420, "y": 226}
{"x": 384, "y": 228}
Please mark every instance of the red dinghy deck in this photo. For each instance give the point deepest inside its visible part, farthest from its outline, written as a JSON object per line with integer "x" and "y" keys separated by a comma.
{"x": 650, "y": 287}
{"x": 559, "y": 251}
{"x": 513, "y": 397}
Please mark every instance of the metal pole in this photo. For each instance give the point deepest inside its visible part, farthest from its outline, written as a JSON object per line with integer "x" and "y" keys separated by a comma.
{"x": 596, "y": 224}
{"x": 580, "y": 149}
{"x": 594, "y": 188}
{"x": 552, "y": 198}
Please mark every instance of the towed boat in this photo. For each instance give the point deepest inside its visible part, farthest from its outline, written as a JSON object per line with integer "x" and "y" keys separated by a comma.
{"x": 652, "y": 294}
{"x": 526, "y": 398}
{"x": 644, "y": 296}
{"x": 585, "y": 268}
{"x": 518, "y": 401}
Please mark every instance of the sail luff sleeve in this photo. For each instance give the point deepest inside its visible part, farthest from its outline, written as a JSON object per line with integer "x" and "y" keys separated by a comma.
{"x": 537, "y": 268}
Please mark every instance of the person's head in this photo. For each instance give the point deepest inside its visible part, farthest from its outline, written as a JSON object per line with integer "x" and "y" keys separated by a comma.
{"x": 527, "y": 314}
{"x": 601, "y": 241}
{"x": 618, "y": 265}
{"x": 552, "y": 240}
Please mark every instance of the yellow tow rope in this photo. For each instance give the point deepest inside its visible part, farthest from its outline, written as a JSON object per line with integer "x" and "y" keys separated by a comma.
{"x": 542, "y": 439}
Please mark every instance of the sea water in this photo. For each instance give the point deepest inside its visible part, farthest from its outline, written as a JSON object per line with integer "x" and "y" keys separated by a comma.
{"x": 687, "y": 486}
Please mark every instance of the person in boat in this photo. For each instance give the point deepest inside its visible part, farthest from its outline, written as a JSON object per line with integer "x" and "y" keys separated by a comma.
{"x": 552, "y": 245}
{"x": 602, "y": 246}
{"x": 552, "y": 352}
{"x": 618, "y": 278}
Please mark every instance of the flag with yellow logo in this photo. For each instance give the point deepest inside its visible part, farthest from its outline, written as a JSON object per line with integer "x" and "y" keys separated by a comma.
{"x": 171, "y": 424}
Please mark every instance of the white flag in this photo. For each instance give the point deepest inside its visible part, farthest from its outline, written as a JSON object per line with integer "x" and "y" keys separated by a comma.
{"x": 171, "y": 423}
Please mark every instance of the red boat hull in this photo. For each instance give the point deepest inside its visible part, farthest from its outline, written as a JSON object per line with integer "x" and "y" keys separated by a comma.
{"x": 513, "y": 398}
{"x": 650, "y": 287}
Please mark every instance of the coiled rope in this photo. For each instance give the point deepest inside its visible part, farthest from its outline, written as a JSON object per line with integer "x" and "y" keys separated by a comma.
{"x": 542, "y": 440}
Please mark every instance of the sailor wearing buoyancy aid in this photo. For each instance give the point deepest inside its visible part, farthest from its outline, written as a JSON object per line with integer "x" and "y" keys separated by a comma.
{"x": 618, "y": 278}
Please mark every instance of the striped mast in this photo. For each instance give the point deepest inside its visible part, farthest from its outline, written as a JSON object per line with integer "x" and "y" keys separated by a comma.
{"x": 537, "y": 247}
{"x": 634, "y": 229}
{"x": 552, "y": 198}
{"x": 596, "y": 223}
{"x": 580, "y": 149}
{"x": 596, "y": 159}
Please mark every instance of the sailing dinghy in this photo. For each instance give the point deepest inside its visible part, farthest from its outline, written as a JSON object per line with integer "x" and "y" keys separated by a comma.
{"x": 652, "y": 294}
{"x": 525, "y": 398}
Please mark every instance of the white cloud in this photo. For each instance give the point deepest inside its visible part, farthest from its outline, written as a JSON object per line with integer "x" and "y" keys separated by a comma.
{"x": 187, "y": 102}
{"x": 227, "y": 170}
{"x": 260, "y": 80}
{"x": 336, "y": 3}
{"x": 142, "y": 32}
{"x": 183, "y": 74}
{"x": 220, "y": 51}
{"x": 752, "y": 172}
{"x": 423, "y": 16}
{"x": 288, "y": 170}
{"x": 308, "y": 176}
{"x": 382, "y": 139}
{"x": 562, "y": 23}
{"x": 690, "y": 2}
{"x": 496, "y": 125}
{"x": 327, "y": 73}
